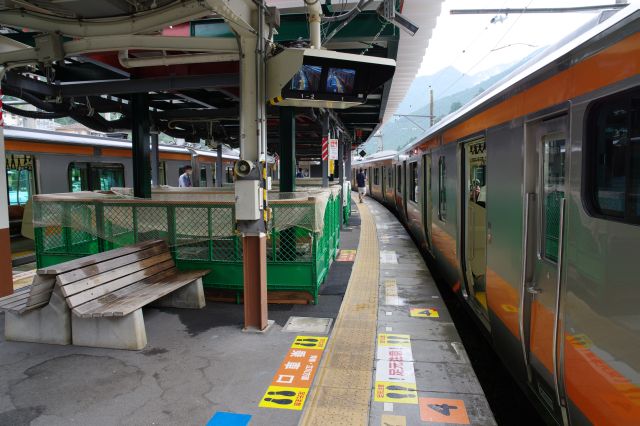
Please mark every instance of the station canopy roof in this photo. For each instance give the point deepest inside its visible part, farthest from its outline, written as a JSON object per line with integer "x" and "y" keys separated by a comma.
{"x": 101, "y": 71}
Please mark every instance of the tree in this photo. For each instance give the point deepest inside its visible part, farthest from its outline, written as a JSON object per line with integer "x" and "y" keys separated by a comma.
{"x": 455, "y": 106}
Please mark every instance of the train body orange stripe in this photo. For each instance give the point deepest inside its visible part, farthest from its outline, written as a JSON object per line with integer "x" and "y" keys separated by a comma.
{"x": 46, "y": 148}
{"x": 609, "y": 66}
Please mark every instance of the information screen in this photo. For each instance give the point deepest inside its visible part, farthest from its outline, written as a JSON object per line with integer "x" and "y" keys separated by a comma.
{"x": 340, "y": 80}
{"x": 307, "y": 79}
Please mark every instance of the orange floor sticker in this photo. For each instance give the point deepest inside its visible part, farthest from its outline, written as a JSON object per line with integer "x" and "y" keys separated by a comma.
{"x": 346, "y": 256}
{"x": 399, "y": 393}
{"x": 440, "y": 410}
{"x": 424, "y": 313}
{"x": 309, "y": 342}
{"x": 284, "y": 397}
{"x": 298, "y": 368}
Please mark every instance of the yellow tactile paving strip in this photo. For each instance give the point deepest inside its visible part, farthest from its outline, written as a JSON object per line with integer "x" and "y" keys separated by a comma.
{"x": 342, "y": 392}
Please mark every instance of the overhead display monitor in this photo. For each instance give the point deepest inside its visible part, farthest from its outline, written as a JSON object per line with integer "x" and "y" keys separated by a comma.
{"x": 341, "y": 80}
{"x": 307, "y": 78}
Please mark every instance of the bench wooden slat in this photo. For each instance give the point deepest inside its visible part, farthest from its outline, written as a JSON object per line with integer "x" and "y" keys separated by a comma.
{"x": 16, "y": 305}
{"x": 20, "y": 293}
{"x": 111, "y": 275}
{"x": 85, "y": 310}
{"x": 109, "y": 265}
{"x": 143, "y": 294}
{"x": 61, "y": 268}
{"x": 14, "y": 298}
{"x": 94, "y": 293}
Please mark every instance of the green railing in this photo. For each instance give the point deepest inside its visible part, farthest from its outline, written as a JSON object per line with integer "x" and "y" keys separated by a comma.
{"x": 202, "y": 235}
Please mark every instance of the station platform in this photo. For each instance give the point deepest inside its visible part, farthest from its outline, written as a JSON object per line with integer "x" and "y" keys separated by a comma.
{"x": 379, "y": 348}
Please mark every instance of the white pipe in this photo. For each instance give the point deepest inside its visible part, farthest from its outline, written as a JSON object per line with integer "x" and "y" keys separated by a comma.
{"x": 166, "y": 60}
{"x": 158, "y": 19}
{"x": 315, "y": 17}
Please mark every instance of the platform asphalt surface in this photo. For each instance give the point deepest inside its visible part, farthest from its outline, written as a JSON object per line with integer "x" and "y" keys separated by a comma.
{"x": 197, "y": 363}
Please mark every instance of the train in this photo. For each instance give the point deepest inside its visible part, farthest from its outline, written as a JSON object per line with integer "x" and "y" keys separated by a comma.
{"x": 526, "y": 203}
{"x": 44, "y": 162}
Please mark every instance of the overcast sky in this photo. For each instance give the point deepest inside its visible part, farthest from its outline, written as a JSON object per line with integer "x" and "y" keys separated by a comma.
{"x": 466, "y": 41}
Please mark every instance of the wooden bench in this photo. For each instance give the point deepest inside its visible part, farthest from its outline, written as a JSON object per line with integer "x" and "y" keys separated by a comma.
{"x": 106, "y": 293}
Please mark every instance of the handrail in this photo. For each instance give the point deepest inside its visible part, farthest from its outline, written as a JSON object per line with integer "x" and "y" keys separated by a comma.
{"x": 561, "y": 400}
{"x": 524, "y": 283}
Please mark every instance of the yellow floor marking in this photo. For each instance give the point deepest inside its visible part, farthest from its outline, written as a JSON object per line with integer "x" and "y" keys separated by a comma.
{"x": 22, "y": 279}
{"x": 342, "y": 393}
{"x": 22, "y": 254}
{"x": 481, "y": 297}
{"x": 389, "y": 420}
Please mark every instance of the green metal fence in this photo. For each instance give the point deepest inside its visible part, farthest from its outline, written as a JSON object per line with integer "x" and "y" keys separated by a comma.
{"x": 202, "y": 235}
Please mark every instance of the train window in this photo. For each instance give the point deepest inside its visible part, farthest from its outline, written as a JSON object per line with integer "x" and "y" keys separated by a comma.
{"x": 95, "y": 176}
{"x": 390, "y": 178}
{"x": 20, "y": 182}
{"x": 615, "y": 154}
{"x": 229, "y": 174}
{"x": 399, "y": 179}
{"x": 413, "y": 182}
{"x": 442, "y": 190}
{"x": 162, "y": 174}
{"x": 553, "y": 177}
{"x": 376, "y": 176}
{"x": 203, "y": 175}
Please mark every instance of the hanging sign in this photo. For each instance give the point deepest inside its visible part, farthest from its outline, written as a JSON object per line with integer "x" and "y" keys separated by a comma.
{"x": 333, "y": 149}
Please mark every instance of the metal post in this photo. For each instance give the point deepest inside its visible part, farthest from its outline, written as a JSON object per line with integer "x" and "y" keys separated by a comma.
{"x": 325, "y": 163}
{"x": 348, "y": 164}
{"x": 219, "y": 166}
{"x": 287, "y": 149}
{"x": 141, "y": 157}
{"x": 6, "y": 267}
{"x": 253, "y": 147}
{"x": 195, "y": 167}
{"x": 155, "y": 160}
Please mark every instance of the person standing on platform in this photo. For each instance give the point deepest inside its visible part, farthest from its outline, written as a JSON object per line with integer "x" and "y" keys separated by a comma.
{"x": 361, "y": 180}
{"x": 184, "y": 181}
{"x": 299, "y": 174}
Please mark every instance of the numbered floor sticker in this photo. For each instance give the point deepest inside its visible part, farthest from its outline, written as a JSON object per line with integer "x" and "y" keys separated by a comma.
{"x": 440, "y": 410}
{"x": 284, "y": 397}
{"x": 346, "y": 256}
{"x": 399, "y": 393}
{"x": 424, "y": 313}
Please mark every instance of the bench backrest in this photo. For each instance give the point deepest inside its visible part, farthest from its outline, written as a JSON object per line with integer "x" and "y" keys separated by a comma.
{"x": 45, "y": 278}
{"x": 117, "y": 271}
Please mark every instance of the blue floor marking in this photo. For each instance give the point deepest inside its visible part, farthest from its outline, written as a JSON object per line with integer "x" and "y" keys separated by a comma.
{"x": 222, "y": 418}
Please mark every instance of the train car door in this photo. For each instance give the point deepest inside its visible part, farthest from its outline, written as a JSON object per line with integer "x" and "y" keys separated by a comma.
{"x": 474, "y": 216}
{"x": 426, "y": 198}
{"x": 546, "y": 164}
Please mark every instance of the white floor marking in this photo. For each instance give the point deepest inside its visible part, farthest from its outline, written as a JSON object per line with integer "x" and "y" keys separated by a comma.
{"x": 388, "y": 406}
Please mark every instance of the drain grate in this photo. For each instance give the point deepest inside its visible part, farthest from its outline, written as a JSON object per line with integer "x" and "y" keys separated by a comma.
{"x": 308, "y": 325}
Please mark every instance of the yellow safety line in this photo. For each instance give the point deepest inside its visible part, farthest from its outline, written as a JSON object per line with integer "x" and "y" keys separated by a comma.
{"x": 342, "y": 391}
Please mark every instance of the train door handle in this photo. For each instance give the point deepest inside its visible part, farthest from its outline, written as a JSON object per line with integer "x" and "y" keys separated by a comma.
{"x": 532, "y": 289}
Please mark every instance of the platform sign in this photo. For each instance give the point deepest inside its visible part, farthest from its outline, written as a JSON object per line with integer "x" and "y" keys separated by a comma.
{"x": 441, "y": 410}
{"x": 424, "y": 313}
{"x": 389, "y": 370}
{"x": 395, "y": 374}
{"x": 333, "y": 149}
{"x": 291, "y": 383}
{"x": 395, "y": 354}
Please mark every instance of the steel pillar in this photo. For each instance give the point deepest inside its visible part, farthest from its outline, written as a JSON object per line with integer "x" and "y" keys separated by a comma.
{"x": 155, "y": 160}
{"x": 347, "y": 172}
{"x": 219, "y": 166}
{"x": 325, "y": 163}
{"x": 253, "y": 147}
{"x": 6, "y": 267}
{"x": 141, "y": 153}
{"x": 287, "y": 149}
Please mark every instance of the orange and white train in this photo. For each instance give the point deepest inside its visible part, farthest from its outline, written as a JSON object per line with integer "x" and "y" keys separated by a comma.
{"x": 527, "y": 202}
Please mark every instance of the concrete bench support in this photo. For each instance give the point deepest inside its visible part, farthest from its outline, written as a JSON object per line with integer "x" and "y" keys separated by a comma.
{"x": 127, "y": 332}
{"x": 190, "y": 296}
{"x": 49, "y": 324}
